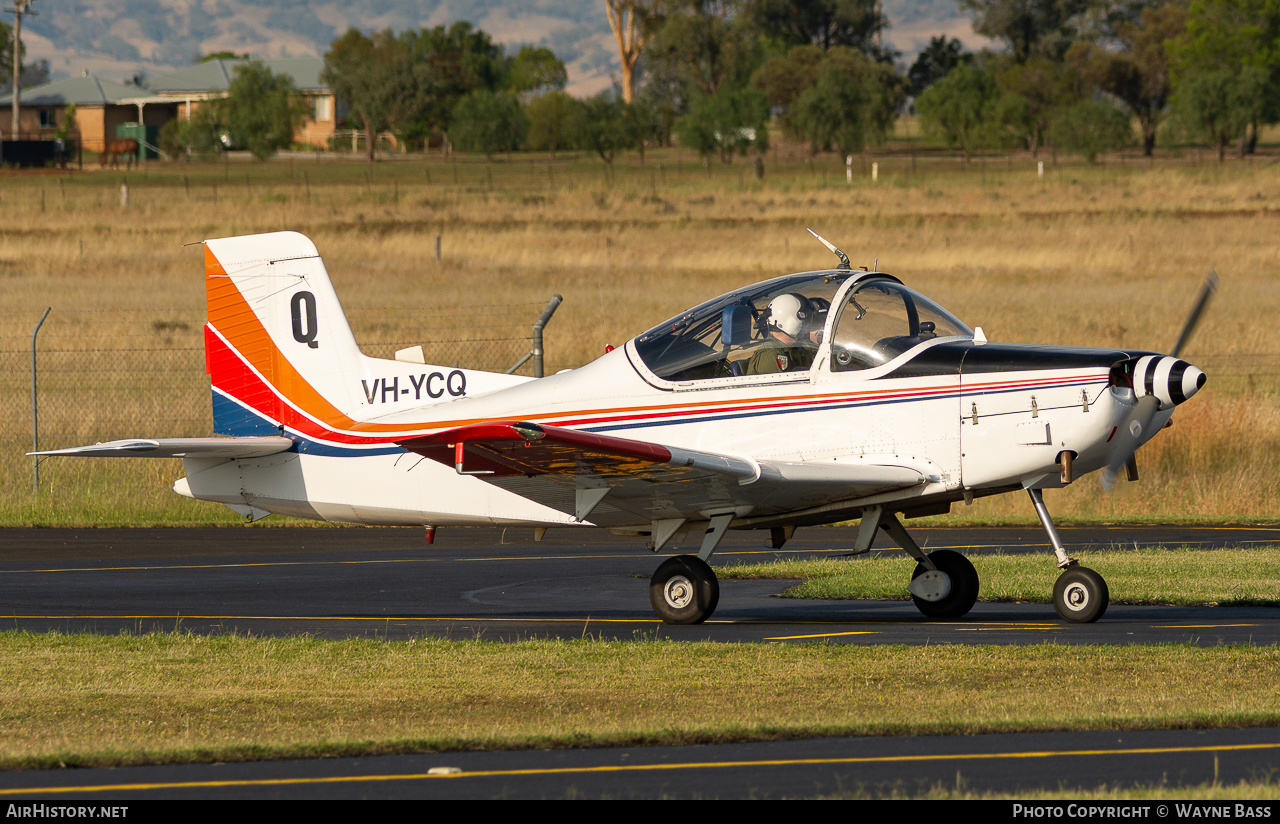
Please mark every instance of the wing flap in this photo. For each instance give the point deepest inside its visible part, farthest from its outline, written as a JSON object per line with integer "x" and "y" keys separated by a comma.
{"x": 251, "y": 447}
{"x": 565, "y": 469}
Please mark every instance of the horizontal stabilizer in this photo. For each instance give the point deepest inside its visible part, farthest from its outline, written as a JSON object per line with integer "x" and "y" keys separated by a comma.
{"x": 255, "y": 447}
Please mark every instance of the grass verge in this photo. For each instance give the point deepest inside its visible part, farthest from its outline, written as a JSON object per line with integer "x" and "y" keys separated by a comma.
{"x": 79, "y": 700}
{"x": 1150, "y": 575}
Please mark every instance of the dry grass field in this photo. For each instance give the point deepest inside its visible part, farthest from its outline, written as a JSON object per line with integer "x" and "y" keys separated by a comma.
{"x": 1089, "y": 255}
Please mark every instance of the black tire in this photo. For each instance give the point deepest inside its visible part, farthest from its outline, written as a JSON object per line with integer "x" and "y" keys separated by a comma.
{"x": 684, "y": 590}
{"x": 1080, "y": 595}
{"x": 964, "y": 586}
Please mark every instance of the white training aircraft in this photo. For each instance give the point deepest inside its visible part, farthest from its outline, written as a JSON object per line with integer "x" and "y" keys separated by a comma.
{"x": 807, "y": 399}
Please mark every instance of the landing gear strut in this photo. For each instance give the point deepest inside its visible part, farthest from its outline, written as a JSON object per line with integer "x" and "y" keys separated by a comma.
{"x": 1080, "y": 594}
{"x": 944, "y": 584}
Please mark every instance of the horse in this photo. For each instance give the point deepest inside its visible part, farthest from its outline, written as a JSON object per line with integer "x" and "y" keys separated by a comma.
{"x": 111, "y": 153}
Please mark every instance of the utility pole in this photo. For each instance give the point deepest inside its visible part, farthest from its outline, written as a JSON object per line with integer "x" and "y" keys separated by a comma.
{"x": 20, "y": 7}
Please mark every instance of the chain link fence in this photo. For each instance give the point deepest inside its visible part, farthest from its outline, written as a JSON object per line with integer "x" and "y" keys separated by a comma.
{"x": 101, "y": 375}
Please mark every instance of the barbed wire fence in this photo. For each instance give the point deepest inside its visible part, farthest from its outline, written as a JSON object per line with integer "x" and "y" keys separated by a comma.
{"x": 100, "y": 375}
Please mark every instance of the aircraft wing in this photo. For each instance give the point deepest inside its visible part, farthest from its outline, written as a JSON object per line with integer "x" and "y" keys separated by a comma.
{"x": 622, "y": 482}
{"x": 251, "y": 447}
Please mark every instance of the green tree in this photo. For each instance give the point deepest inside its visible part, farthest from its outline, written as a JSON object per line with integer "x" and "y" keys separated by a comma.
{"x": 826, "y": 24}
{"x": 364, "y": 71}
{"x": 707, "y": 44}
{"x": 489, "y": 122}
{"x": 1138, "y": 72}
{"x": 536, "y": 72}
{"x": 263, "y": 109}
{"x": 967, "y": 110}
{"x": 725, "y": 124}
{"x": 1030, "y": 28}
{"x": 853, "y": 103}
{"x": 1045, "y": 86}
{"x": 602, "y": 125}
{"x": 449, "y": 63}
{"x": 1089, "y": 128}
{"x": 1225, "y": 70}
{"x": 199, "y": 134}
{"x": 550, "y": 116}
{"x": 783, "y": 78}
{"x": 935, "y": 62}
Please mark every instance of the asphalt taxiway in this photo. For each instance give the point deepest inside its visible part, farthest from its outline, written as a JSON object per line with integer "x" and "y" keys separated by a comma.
{"x": 501, "y": 585}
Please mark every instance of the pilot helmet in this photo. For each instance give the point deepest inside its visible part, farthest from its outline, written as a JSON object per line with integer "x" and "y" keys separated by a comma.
{"x": 790, "y": 314}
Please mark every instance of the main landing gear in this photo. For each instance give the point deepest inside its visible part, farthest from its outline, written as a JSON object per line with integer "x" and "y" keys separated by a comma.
{"x": 944, "y": 583}
{"x": 684, "y": 590}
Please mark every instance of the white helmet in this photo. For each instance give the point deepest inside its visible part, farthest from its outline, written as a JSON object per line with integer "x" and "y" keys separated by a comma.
{"x": 789, "y": 314}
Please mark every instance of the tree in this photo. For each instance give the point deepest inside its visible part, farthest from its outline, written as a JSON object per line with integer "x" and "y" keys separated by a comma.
{"x": 1044, "y": 87}
{"x": 632, "y": 22}
{"x": 935, "y": 62}
{"x": 707, "y": 44}
{"x": 536, "y": 71}
{"x": 1225, "y": 69}
{"x": 853, "y": 103}
{"x": 363, "y": 71}
{"x": 1030, "y": 28}
{"x": 448, "y": 63}
{"x": 784, "y": 78}
{"x": 33, "y": 74}
{"x": 549, "y": 119}
{"x": 1089, "y": 128}
{"x": 602, "y": 124}
{"x": 263, "y": 109}
{"x": 967, "y": 110}
{"x": 826, "y": 24}
{"x": 726, "y": 124}
{"x": 489, "y": 122}
{"x": 1138, "y": 74}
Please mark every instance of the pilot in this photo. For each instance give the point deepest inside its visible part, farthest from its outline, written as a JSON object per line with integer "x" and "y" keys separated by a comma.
{"x": 787, "y": 348}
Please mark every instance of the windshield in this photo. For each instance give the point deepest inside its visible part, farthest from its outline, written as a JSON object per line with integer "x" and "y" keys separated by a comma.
{"x": 718, "y": 338}
{"x": 882, "y": 319}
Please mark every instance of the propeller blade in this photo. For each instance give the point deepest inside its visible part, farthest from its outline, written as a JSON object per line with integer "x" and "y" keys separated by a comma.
{"x": 1206, "y": 292}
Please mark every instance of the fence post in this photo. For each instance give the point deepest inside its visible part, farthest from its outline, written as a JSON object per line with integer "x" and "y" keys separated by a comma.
{"x": 35, "y": 416}
{"x": 537, "y": 333}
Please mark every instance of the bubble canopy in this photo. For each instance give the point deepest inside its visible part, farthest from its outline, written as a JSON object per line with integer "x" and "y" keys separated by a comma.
{"x": 875, "y": 320}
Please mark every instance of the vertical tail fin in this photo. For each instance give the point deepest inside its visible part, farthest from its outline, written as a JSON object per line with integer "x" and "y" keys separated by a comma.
{"x": 280, "y": 353}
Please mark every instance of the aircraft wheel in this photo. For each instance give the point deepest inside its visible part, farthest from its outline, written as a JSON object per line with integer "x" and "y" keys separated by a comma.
{"x": 684, "y": 590}
{"x": 961, "y": 594}
{"x": 1080, "y": 595}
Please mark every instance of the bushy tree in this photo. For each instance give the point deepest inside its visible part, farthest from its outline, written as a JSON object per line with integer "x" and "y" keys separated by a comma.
{"x": 1138, "y": 71}
{"x": 602, "y": 124}
{"x": 967, "y": 110}
{"x": 853, "y": 103}
{"x": 935, "y": 62}
{"x": 550, "y": 116}
{"x": 536, "y": 72}
{"x": 1226, "y": 70}
{"x": 263, "y": 110}
{"x": 364, "y": 72}
{"x": 200, "y": 134}
{"x": 489, "y": 122}
{"x": 1030, "y": 28}
{"x": 826, "y": 24}
{"x": 1089, "y": 128}
{"x": 725, "y": 124}
{"x": 784, "y": 77}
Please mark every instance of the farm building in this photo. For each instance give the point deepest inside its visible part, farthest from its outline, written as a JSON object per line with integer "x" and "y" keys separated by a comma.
{"x": 102, "y": 105}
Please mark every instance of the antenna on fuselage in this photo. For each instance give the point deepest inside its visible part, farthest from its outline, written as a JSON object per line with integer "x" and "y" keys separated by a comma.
{"x": 844, "y": 259}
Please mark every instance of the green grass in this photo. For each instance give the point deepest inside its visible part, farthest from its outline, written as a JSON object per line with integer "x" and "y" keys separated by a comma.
{"x": 77, "y": 700}
{"x": 1220, "y": 577}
